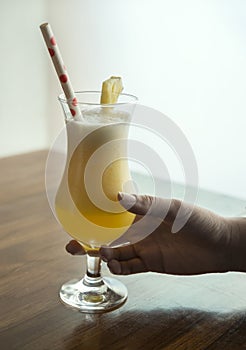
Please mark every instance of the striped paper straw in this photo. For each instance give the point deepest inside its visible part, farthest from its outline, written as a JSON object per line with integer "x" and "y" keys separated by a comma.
{"x": 61, "y": 70}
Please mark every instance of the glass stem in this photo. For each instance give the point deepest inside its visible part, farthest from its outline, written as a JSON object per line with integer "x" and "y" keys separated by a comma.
{"x": 93, "y": 287}
{"x": 93, "y": 276}
{"x": 93, "y": 266}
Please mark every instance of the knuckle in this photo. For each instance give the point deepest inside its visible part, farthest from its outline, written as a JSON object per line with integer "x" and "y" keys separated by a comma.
{"x": 174, "y": 206}
{"x": 173, "y": 209}
{"x": 146, "y": 202}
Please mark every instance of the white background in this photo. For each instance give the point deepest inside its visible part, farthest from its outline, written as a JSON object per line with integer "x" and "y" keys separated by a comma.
{"x": 184, "y": 58}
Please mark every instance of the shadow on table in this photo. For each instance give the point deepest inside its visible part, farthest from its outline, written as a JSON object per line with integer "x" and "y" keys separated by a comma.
{"x": 158, "y": 329}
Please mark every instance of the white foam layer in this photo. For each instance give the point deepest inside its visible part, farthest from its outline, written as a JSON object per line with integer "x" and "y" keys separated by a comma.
{"x": 105, "y": 115}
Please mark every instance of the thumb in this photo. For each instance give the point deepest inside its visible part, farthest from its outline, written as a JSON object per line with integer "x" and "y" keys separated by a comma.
{"x": 166, "y": 209}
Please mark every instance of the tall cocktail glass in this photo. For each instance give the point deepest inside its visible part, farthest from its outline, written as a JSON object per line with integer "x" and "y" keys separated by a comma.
{"x": 86, "y": 205}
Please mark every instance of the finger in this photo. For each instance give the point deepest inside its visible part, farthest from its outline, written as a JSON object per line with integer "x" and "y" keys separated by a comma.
{"x": 155, "y": 206}
{"x": 74, "y": 248}
{"x": 127, "y": 267}
{"x": 121, "y": 253}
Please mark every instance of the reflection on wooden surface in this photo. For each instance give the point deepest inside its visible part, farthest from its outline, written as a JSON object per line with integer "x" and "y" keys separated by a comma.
{"x": 201, "y": 312}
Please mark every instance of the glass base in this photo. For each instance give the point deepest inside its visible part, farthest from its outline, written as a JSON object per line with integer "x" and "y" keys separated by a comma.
{"x": 94, "y": 295}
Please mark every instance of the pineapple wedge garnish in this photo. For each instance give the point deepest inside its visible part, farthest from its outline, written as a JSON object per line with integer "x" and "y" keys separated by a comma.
{"x": 111, "y": 88}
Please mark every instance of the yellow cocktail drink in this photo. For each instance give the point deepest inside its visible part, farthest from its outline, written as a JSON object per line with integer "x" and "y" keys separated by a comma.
{"x": 96, "y": 170}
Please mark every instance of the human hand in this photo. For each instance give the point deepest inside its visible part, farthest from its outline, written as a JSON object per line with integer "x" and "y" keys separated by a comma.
{"x": 202, "y": 245}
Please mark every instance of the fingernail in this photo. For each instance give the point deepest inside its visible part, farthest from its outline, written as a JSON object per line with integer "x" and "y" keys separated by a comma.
{"x": 120, "y": 196}
{"x": 128, "y": 200}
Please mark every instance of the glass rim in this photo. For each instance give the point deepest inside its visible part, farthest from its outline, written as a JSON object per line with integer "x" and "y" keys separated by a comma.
{"x": 134, "y": 99}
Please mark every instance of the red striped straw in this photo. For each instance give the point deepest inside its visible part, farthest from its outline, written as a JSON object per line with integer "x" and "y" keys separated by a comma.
{"x": 61, "y": 70}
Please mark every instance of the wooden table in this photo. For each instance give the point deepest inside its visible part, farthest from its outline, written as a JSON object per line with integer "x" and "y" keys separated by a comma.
{"x": 202, "y": 312}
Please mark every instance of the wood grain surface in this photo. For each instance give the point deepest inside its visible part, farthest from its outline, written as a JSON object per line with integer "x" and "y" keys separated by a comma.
{"x": 162, "y": 312}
